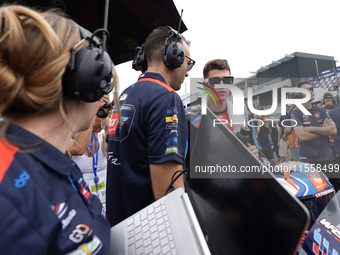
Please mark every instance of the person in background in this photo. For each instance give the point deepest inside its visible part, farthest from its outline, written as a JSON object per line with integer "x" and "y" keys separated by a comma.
{"x": 313, "y": 133}
{"x": 329, "y": 105}
{"x": 263, "y": 133}
{"x": 46, "y": 207}
{"x": 335, "y": 115}
{"x": 253, "y": 126}
{"x": 89, "y": 150}
{"x": 328, "y": 101}
{"x": 283, "y": 142}
{"x": 217, "y": 71}
{"x": 275, "y": 137}
{"x": 148, "y": 146}
{"x": 293, "y": 142}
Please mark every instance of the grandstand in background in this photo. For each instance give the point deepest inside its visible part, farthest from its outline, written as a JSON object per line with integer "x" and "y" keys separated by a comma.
{"x": 329, "y": 79}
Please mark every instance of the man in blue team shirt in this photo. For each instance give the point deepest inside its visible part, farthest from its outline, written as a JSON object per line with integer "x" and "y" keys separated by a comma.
{"x": 313, "y": 131}
{"x": 149, "y": 143}
{"x": 335, "y": 115}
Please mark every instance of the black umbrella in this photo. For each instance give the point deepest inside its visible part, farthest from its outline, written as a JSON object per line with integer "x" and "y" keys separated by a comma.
{"x": 129, "y": 21}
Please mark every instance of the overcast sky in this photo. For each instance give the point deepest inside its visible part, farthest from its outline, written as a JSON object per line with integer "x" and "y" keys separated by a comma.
{"x": 251, "y": 34}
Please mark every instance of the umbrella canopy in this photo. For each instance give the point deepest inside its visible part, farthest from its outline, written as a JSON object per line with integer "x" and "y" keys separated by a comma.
{"x": 129, "y": 22}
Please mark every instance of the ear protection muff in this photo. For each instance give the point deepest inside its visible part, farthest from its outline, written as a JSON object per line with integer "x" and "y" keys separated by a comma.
{"x": 173, "y": 54}
{"x": 139, "y": 61}
{"x": 88, "y": 75}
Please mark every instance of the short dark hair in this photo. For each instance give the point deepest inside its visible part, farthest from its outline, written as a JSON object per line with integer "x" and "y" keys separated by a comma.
{"x": 300, "y": 83}
{"x": 155, "y": 43}
{"x": 215, "y": 64}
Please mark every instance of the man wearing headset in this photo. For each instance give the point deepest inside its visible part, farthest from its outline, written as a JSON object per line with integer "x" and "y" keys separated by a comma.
{"x": 149, "y": 143}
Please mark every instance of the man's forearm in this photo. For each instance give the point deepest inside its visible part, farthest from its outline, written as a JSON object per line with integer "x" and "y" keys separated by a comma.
{"x": 325, "y": 130}
{"x": 304, "y": 135}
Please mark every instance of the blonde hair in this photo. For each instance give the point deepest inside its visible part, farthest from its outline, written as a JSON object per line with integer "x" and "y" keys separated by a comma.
{"x": 34, "y": 52}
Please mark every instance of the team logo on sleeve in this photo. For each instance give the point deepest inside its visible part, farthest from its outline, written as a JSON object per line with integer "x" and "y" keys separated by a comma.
{"x": 22, "y": 180}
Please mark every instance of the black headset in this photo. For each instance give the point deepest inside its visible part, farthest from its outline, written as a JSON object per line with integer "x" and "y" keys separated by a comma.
{"x": 173, "y": 53}
{"x": 139, "y": 61}
{"x": 88, "y": 75}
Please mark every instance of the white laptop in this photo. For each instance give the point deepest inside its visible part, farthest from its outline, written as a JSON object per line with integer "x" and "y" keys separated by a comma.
{"x": 168, "y": 226}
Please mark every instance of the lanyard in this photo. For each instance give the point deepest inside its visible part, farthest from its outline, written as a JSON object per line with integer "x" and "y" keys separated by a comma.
{"x": 94, "y": 158}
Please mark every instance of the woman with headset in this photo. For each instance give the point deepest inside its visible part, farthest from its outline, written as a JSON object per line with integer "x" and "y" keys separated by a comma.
{"x": 46, "y": 207}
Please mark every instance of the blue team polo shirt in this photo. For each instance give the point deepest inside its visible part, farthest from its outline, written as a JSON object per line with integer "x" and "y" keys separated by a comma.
{"x": 46, "y": 207}
{"x": 152, "y": 130}
{"x": 335, "y": 115}
{"x": 319, "y": 149}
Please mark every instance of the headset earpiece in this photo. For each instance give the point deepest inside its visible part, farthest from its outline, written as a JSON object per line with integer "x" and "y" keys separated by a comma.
{"x": 88, "y": 76}
{"x": 139, "y": 61}
{"x": 102, "y": 113}
{"x": 173, "y": 54}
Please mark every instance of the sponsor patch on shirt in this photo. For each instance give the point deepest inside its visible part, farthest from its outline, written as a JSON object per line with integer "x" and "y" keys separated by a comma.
{"x": 123, "y": 97}
{"x": 91, "y": 247}
{"x": 171, "y": 118}
{"x": 171, "y": 141}
{"x": 171, "y": 149}
{"x": 65, "y": 222}
{"x": 84, "y": 191}
{"x": 172, "y": 111}
{"x": 59, "y": 209}
{"x": 80, "y": 233}
{"x": 171, "y": 125}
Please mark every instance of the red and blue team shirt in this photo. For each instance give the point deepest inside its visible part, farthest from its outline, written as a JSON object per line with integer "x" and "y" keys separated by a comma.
{"x": 152, "y": 129}
{"x": 319, "y": 149}
{"x": 46, "y": 207}
{"x": 194, "y": 116}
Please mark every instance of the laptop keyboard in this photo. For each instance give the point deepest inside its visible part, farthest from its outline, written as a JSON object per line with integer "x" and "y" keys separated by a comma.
{"x": 149, "y": 231}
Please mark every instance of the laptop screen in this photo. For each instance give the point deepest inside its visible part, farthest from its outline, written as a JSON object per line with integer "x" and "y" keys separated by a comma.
{"x": 238, "y": 213}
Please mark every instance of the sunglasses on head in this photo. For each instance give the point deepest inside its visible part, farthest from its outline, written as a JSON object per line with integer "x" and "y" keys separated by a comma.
{"x": 190, "y": 64}
{"x": 217, "y": 80}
